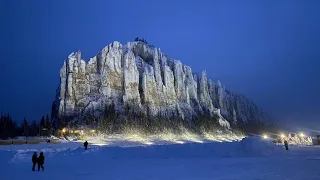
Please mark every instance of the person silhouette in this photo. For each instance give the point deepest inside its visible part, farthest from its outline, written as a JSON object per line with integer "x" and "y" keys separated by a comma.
{"x": 85, "y": 144}
{"x": 34, "y": 160}
{"x": 41, "y": 161}
{"x": 286, "y": 144}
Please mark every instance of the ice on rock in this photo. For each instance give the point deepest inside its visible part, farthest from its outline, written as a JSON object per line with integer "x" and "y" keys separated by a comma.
{"x": 143, "y": 76}
{"x": 131, "y": 80}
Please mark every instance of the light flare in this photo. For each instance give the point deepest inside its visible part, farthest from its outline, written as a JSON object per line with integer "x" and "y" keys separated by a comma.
{"x": 138, "y": 138}
{"x": 187, "y": 136}
{"x": 301, "y": 134}
{"x": 99, "y": 144}
{"x": 179, "y": 142}
{"x": 147, "y": 143}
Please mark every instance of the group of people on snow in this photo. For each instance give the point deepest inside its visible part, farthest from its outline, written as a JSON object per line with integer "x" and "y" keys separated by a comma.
{"x": 37, "y": 160}
{"x": 40, "y": 159}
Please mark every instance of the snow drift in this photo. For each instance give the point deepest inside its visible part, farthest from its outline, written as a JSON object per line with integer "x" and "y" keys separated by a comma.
{"x": 248, "y": 147}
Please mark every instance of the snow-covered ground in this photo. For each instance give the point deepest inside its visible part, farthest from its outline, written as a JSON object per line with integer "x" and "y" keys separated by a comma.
{"x": 151, "y": 158}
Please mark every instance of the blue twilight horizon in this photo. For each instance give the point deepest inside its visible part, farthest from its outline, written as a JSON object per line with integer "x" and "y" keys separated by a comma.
{"x": 267, "y": 50}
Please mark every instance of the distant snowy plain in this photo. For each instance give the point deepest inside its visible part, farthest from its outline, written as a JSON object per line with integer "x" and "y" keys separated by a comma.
{"x": 185, "y": 158}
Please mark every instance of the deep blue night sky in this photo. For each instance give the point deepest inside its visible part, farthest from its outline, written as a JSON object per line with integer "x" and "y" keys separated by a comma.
{"x": 268, "y": 50}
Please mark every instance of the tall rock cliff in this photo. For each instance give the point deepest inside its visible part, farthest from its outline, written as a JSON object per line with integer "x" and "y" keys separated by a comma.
{"x": 143, "y": 77}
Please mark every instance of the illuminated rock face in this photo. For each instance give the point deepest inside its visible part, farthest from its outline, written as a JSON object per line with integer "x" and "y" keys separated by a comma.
{"x": 143, "y": 77}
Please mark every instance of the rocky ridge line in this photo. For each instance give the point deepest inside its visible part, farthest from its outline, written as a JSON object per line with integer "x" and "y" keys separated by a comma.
{"x": 143, "y": 77}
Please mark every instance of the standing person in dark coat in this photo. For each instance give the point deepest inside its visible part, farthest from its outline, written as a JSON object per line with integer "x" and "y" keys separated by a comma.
{"x": 40, "y": 161}
{"x": 85, "y": 145}
{"x": 34, "y": 160}
{"x": 286, "y": 144}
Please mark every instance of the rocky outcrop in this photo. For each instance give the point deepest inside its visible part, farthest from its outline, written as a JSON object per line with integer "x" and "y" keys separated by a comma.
{"x": 143, "y": 77}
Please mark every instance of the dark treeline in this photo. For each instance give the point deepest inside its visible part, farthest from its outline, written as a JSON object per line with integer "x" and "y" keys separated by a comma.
{"x": 9, "y": 128}
{"x": 257, "y": 127}
{"x": 132, "y": 121}
{"x": 136, "y": 121}
{"x": 137, "y": 39}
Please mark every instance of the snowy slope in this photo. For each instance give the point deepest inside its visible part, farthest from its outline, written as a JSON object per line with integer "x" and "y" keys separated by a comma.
{"x": 251, "y": 158}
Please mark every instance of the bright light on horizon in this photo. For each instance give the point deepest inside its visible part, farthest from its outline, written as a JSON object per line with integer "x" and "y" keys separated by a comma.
{"x": 282, "y": 135}
{"x": 148, "y": 143}
{"x": 265, "y": 136}
{"x": 301, "y": 134}
{"x": 99, "y": 144}
{"x": 179, "y": 142}
{"x": 137, "y": 139}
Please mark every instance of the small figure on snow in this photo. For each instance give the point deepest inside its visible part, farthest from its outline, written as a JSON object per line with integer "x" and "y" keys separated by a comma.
{"x": 286, "y": 144}
{"x": 41, "y": 161}
{"x": 85, "y": 144}
{"x": 34, "y": 160}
